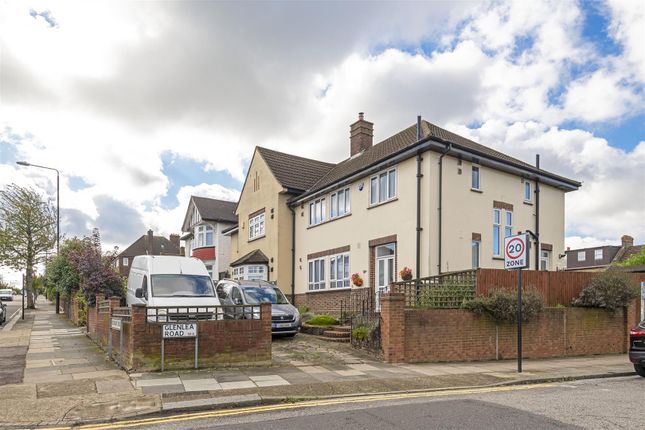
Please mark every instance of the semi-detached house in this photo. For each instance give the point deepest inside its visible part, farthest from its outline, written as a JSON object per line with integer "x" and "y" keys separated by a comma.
{"x": 424, "y": 198}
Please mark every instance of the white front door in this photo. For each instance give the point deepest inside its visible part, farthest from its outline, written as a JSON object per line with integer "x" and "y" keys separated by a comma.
{"x": 384, "y": 270}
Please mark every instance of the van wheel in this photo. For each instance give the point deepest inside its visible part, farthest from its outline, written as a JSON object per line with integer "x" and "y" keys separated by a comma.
{"x": 640, "y": 370}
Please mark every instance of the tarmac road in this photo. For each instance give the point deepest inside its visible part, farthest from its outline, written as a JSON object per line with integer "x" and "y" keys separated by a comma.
{"x": 601, "y": 403}
{"x": 13, "y": 306}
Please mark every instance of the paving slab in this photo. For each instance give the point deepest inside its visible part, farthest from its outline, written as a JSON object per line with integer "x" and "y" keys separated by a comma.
{"x": 201, "y": 384}
{"x": 66, "y": 388}
{"x": 237, "y": 385}
{"x": 36, "y": 379}
{"x": 99, "y": 374}
{"x": 113, "y": 386}
{"x": 162, "y": 389}
{"x": 158, "y": 381}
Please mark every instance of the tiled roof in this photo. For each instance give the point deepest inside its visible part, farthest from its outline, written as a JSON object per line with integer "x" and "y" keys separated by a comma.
{"x": 293, "y": 172}
{"x": 406, "y": 139}
{"x": 160, "y": 246}
{"x": 254, "y": 257}
{"x": 215, "y": 210}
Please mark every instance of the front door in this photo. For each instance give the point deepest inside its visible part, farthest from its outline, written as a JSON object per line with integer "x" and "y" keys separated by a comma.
{"x": 384, "y": 270}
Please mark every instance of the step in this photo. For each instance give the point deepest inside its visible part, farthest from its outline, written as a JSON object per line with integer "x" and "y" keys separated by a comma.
{"x": 336, "y": 334}
{"x": 345, "y": 328}
{"x": 334, "y": 339}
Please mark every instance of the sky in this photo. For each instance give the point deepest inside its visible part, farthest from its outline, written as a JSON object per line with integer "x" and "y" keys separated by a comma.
{"x": 142, "y": 104}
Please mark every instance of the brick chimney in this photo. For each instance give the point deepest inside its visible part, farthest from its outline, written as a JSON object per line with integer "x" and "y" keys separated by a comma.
{"x": 174, "y": 239}
{"x": 627, "y": 241}
{"x": 361, "y": 134}
{"x": 149, "y": 242}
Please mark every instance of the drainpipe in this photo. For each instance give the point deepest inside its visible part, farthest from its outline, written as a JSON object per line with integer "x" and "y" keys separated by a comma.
{"x": 537, "y": 215}
{"x": 293, "y": 255}
{"x": 443, "y": 154}
{"x": 419, "y": 176}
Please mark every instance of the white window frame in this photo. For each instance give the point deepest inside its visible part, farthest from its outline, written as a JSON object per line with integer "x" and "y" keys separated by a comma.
{"x": 339, "y": 204}
{"x": 125, "y": 261}
{"x": 508, "y": 226}
{"x": 336, "y": 263}
{"x": 476, "y": 168}
{"x": 497, "y": 232}
{"x": 317, "y": 211}
{"x": 390, "y": 176}
{"x": 582, "y": 255}
{"x": 316, "y": 267}
{"x": 475, "y": 253}
{"x": 545, "y": 260}
{"x": 257, "y": 226}
{"x": 596, "y": 255}
{"x": 201, "y": 235}
{"x": 528, "y": 195}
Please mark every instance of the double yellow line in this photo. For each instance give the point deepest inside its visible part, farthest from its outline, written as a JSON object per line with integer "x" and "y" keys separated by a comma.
{"x": 299, "y": 405}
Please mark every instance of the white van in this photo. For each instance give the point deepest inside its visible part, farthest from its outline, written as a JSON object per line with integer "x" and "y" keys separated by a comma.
{"x": 172, "y": 282}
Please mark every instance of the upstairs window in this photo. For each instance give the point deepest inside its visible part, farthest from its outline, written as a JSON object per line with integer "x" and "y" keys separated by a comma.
{"x": 475, "y": 254}
{"x": 497, "y": 221}
{"x": 126, "y": 261}
{"x": 383, "y": 187}
{"x": 340, "y": 203}
{"x": 204, "y": 235}
{"x": 474, "y": 178}
{"x": 597, "y": 254}
{"x": 527, "y": 191}
{"x": 256, "y": 226}
{"x": 508, "y": 227}
{"x": 317, "y": 211}
{"x": 582, "y": 256}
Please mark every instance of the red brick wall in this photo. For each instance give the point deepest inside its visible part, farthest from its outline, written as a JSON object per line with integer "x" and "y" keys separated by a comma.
{"x": 460, "y": 335}
{"x": 324, "y": 302}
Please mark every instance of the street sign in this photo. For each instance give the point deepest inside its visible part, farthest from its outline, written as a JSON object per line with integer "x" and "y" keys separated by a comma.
{"x": 171, "y": 331}
{"x": 117, "y": 324}
{"x": 516, "y": 252}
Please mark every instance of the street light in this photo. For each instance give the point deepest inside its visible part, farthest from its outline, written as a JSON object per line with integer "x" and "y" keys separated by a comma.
{"x": 25, "y": 163}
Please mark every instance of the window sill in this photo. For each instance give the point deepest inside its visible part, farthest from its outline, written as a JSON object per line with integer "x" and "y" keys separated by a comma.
{"x": 329, "y": 220}
{"x": 526, "y": 202}
{"x": 204, "y": 246}
{"x": 257, "y": 238}
{"x": 497, "y": 257}
{"x": 375, "y": 205}
{"x": 328, "y": 290}
{"x": 476, "y": 190}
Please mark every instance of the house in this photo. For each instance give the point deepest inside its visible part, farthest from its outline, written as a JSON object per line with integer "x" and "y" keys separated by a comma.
{"x": 204, "y": 223}
{"x": 262, "y": 240}
{"x": 599, "y": 258}
{"x": 424, "y": 198}
{"x": 148, "y": 244}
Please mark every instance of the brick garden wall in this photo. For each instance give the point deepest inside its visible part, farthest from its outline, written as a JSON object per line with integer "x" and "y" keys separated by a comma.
{"x": 221, "y": 342}
{"x": 324, "y": 302}
{"x": 416, "y": 335}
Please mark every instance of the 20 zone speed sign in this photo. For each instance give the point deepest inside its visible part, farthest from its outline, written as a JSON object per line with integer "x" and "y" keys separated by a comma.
{"x": 516, "y": 252}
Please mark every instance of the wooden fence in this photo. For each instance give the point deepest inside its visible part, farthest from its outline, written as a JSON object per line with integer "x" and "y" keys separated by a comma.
{"x": 557, "y": 288}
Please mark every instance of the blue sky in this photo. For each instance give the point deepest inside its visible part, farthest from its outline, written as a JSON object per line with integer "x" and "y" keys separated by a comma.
{"x": 157, "y": 101}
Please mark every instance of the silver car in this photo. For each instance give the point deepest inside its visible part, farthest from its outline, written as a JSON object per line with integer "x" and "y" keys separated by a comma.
{"x": 285, "y": 318}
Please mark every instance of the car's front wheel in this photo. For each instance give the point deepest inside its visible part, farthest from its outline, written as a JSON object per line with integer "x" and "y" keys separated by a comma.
{"x": 640, "y": 370}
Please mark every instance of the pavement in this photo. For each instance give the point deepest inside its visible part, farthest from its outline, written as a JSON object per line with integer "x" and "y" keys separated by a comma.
{"x": 57, "y": 375}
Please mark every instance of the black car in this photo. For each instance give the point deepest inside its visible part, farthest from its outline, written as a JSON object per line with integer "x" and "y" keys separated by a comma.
{"x": 637, "y": 348}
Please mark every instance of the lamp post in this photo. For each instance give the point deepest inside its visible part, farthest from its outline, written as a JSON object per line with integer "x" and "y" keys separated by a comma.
{"x": 25, "y": 163}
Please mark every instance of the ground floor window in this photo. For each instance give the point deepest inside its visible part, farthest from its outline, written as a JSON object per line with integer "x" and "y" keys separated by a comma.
{"x": 475, "y": 254}
{"x": 339, "y": 271}
{"x": 250, "y": 272}
{"x": 545, "y": 260}
{"x": 209, "y": 269}
{"x": 317, "y": 274}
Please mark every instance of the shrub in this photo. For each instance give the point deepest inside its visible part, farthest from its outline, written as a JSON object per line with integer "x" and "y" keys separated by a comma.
{"x": 303, "y": 309}
{"x": 82, "y": 308}
{"x": 446, "y": 296}
{"x": 610, "y": 290}
{"x": 360, "y": 333}
{"x": 501, "y": 305}
{"x": 322, "y": 320}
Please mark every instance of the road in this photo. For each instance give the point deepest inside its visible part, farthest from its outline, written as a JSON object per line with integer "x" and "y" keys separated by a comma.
{"x": 13, "y": 306}
{"x": 599, "y": 404}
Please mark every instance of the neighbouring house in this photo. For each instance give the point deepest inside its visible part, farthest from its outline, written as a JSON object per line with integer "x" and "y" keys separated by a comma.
{"x": 599, "y": 258}
{"x": 424, "y": 198}
{"x": 203, "y": 233}
{"x": 262, "y": 239}
{"x": 148, "y": 244}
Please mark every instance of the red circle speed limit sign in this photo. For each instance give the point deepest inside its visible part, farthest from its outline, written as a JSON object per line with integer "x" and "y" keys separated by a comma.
{"x": 515, "y": 252}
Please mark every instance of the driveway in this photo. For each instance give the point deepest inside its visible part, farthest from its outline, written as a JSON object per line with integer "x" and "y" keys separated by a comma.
{"x": 309, "y": 350}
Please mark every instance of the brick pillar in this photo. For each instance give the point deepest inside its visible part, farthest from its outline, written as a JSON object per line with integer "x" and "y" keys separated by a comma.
{"x": 629, "y": 313}
{"x": 393, "y": 327}
{"x": 137, "y": 334}
{"x": 265, "y": 312}
{"x": 115, "y": 302}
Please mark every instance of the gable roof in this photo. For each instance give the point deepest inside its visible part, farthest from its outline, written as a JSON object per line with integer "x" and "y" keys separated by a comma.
{"x": 407, "y": 139}
{"x": 254, "y": 257}
{"x": 210, "y": 210}
{"x": 160, "y": 246}
{"x": 293, "y": 172}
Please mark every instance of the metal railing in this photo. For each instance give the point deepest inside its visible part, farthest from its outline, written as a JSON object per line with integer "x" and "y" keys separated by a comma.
{"x": 164, "y": 314}
{"x": 446, "y": 291}
{"x": 104, "y": 306}
{"x": 122, "y": 313}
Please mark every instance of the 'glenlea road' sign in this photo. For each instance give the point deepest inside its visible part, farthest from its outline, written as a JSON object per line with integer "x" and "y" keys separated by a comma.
{"x": 179, "y": 330}
{"x": 516, "y": 252}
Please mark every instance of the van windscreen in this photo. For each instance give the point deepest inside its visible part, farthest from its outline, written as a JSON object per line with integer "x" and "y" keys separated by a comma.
{"x": 181, "y": 286}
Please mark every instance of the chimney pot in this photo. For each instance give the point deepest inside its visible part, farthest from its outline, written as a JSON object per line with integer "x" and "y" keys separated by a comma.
{"x": 361, "y": 134}
{"x": 627, "y": 241}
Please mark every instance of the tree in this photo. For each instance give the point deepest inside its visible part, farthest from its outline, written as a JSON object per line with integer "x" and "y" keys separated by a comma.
{"x": 27, "y": 231}
{"x": 95, "y": 270}
{"x": 60, "y": 273}
{"x": 636, "y": 259}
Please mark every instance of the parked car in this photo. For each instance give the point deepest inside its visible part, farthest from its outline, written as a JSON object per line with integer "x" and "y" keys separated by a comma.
{"x": 3, "y": 313}
{"x": 285, "y": 318}
{"x": 6, "y": 294}
{"x": 181, "y": 286}
{"x": 637, "y": 348}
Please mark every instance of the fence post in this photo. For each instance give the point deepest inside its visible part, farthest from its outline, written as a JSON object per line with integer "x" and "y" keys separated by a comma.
{"x": 393, "y": 327}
